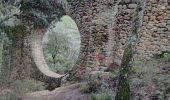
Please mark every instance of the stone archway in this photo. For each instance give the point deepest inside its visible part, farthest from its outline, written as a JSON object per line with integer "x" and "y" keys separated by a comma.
{"x": 61, "y": 45}
{"x": 23, "y": 57}
{"x": 95, "y": 20}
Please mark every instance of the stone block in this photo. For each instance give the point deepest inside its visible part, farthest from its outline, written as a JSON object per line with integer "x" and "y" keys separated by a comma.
{"x": 162, "y": 25}
{"x": 168, "y": 22}
{"x": 127, "y": 1}
{"x": 132, "y": 6}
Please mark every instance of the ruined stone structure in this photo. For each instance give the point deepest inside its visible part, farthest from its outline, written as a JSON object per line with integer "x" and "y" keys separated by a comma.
{"x": 104, "y": 30}
{"x": 23, "y": 56}
{"x": 105, "y": 27}
{"x": 155, "y": 35}
{"x": 94, "y": 19}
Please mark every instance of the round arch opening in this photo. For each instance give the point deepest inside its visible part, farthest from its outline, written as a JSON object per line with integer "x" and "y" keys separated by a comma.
{"x": 61, "y": 45}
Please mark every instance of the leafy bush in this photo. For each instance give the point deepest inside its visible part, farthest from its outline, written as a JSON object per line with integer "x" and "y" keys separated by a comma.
{"x": 100, "y": 97}
{"x": 27, "y": 85}
{"x": 98, "y": 88}
{"x": 61, "y": 45}
{"x": 152, "y": 76}
{"x": 85, "y": 88}
{"x": 167, "y": 56}
{"x": 164, "y": 55}
{"x": 20, "y": 87}
{"x": 90, "y": 87}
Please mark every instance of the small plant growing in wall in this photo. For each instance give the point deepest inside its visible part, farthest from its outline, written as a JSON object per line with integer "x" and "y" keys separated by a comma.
{"x": 92, "y": 86}
{"x": 98, "y": 89}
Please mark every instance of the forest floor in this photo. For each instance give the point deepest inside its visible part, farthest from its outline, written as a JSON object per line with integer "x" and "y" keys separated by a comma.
{"x": 71, "y": 92}
{"x": 149, "y": 80}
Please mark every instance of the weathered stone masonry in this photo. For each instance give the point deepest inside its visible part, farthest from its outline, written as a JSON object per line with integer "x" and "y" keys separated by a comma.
{"x": 122, "y": 27}
{"x": 155, "y": 34}
{"x": 156, "y": 29}
{"x": 23, "y": 57}
{"x": 94, "y": 31}
{"x": 104, "y": 28}
{"x": 104, "y": 34}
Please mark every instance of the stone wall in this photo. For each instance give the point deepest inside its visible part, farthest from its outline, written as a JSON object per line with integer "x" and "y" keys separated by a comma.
{"x": 155, "y": 36}
{"x": 122, "y": 27}
{"x": 94, "y": 20}
{"x": 105, "y": 27}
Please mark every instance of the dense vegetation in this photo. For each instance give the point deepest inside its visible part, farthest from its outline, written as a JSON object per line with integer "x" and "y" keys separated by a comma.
{"x": 23, "y": 24}
{"x": 61, "y": 45}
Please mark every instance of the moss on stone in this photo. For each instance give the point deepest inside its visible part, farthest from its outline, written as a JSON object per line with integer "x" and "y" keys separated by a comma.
{"x": 15, "y": 32}
{"x": 124, "y": 87}
{"x": 41, "y": 12}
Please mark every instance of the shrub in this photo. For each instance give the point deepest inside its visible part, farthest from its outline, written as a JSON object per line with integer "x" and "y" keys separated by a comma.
{"x": 165, "y": 55}
{"x": 20, "y": 87}
{"x": 101, "y": 97}
{"x": 98, "y": 88}
{"x": 91, "y": 86}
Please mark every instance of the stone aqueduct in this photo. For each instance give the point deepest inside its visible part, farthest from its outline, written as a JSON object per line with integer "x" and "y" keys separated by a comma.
{"x": 104, "y": 27}
{"x": 105, "y": 30}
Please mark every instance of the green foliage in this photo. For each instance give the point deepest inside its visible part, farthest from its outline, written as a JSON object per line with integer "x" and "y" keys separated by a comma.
{"x": 15, "y": 32}
{"x": 61, "y": 45}
{"x": 10, "y": 96}
{"x": 57, "y": 49}
{"x": 98, "y": 89}
{"x": 24, "y": 86}
{"x": 162, "y": 83}
{"x": 41, "y": 12}
{"x": 151, "y": 74}
{"x": 8, "y": 8}
{"x": 91, "y": 86}
{"x": 100, "y": 97}
{"x": 85, "y": 88}
{"x": 165, "y": 55}
{"x": 20, "y": 87}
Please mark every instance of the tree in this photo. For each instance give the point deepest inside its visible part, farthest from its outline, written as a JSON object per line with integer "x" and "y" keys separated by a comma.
{"x": 61, "y": 46}
{"x": 8, "y": 9}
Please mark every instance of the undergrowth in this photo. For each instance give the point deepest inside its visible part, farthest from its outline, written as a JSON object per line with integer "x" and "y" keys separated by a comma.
{"x": 18, "y": 88}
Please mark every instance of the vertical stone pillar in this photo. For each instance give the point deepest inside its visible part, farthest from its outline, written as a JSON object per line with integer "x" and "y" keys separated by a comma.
{"x": 94, "y": 19}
